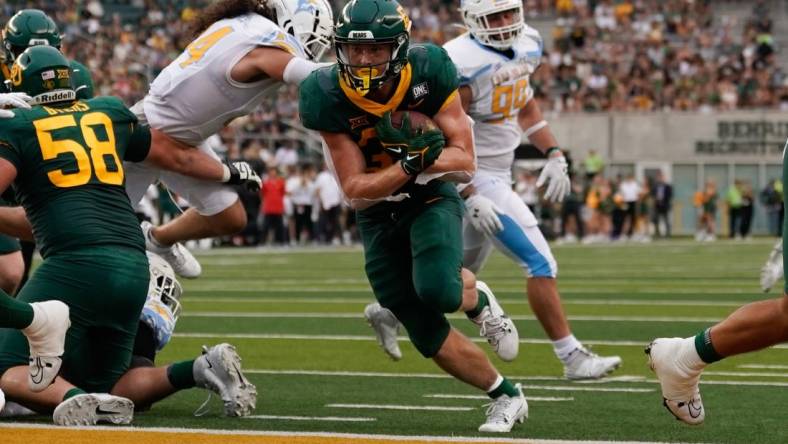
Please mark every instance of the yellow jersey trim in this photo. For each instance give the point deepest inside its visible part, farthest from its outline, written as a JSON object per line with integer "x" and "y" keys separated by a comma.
{"x": 376, "y": 108}
{"x": 449, "y": 100}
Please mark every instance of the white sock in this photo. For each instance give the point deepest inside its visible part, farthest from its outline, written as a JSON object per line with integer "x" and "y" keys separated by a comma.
{"x": 498, "y": 382}
{"x": 564, "y": 346}
{"x": 155, "y": 241}
{"x": 688, "y": 356}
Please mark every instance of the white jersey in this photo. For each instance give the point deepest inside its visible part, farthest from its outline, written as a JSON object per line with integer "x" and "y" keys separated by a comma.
{"x": 195, "y": 97}
{"x": 500, "y": 88}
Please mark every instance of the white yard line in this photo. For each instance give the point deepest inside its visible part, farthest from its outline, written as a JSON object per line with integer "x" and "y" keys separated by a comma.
{"x": 265, "y": 336}
{"x": 505, "y": 302}
{"x": 574, "y": 387}
{"x": 764, "y": 366}
{"x": 313, "y": 418}
{"x": 747, "y": 374}
{"x": 305, "y": 315}
{"x": 482, "y": 397}
{"x": 439, "y": 408}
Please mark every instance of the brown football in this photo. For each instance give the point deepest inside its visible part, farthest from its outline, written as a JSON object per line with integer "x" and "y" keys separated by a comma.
{"x": 417, "y": 120}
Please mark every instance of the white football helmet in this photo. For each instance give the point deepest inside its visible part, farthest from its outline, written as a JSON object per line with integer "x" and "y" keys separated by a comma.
{"x": 163, "y": 285}
{"x": 476, "y": 13}
{"x": 310, "y": 21}
{"x": 163, "y": 306}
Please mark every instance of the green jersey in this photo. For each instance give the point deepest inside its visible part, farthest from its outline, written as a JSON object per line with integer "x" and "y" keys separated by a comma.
{"x": 427, "y": 83}
{"x": 70, "y": 177}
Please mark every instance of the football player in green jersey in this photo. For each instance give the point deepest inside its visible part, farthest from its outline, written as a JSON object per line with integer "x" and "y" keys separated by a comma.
{"x": 64, "y": 158}
{"x": 410, "y": 215}
{"x": 28, "y": 27}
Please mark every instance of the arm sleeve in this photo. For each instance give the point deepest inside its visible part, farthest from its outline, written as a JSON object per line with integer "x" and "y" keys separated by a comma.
{"x": 139, "y": 143}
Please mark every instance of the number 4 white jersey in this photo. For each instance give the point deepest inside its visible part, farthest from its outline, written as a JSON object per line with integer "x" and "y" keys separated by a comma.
{"x": 195, "y": 97}
{"x": 500, "y": 88}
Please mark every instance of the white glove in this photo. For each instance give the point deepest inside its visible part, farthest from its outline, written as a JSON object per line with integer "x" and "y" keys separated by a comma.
{"x": 483, "y": 214}
{"x": 13, "y": 100}
{"x": 555, "y": 171}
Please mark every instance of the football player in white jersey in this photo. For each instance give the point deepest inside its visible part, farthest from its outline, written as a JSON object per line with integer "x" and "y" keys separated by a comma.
{"x": 494, "y": 59}
{"x": 243, "y": 52}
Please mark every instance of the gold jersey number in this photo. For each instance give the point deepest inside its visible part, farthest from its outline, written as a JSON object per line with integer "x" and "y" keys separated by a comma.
{"x": 90, "y": 160}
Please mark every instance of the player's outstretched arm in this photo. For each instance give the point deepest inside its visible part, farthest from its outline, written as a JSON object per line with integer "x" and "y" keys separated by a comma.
{"x": 173, "y": 155}
{"x": 350, "y": 169}
{"x": 458, "y": 154}
{"x": 274, "y": 63}
{"x": 554, "y": 173}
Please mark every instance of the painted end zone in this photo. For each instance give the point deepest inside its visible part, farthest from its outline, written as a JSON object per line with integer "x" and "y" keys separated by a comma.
{"x": 16, "y": 433}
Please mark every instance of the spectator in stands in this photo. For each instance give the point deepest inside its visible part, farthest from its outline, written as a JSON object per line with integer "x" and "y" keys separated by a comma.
{"x": 273, "y": 196}
{"x": 329, "y": 198}
{"x": 572, "y": 209}
{"x": 594, "y": 164}
{"x": 301, "y": 190}
{"x": 630, "y": 192}
{"x": 733, "y": 200}
{"x": 772, "y": 199}
{"x": 747, "y": 207}
{"x": 706, "y": 201}
{"x": 662, "y": 194}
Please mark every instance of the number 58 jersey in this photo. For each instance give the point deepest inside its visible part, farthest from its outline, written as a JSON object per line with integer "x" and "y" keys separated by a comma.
{"x": 69, "y": 172}
{"x": 499, "y": 83}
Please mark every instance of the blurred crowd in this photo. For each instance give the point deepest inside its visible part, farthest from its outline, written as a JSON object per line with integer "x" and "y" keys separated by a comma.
{"x": 603, "y": 209}
{"x": 604, "y": 55}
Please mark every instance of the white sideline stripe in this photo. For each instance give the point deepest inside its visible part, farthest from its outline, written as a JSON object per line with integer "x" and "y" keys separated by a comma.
{"x": 323, "y": 301}
{"x": 527, "y": 398}
{"x": 233, "y": 314}
{"x": 630, "y": 379}
{"x": 764, "y": 366}
{"x": 427, "y": 438}
{"x": 271, "y": 287}
{"x": 439, "y": 408}
{"x": 764, "y": 374}
{"x": 401, "y": 338}
{"x": 313, "y": 418}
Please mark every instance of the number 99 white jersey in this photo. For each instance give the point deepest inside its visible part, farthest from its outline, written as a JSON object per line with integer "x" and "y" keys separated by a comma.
{"x": 500, "y": 87}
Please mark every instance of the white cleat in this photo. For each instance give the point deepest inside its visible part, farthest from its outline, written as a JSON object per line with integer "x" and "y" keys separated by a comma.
{"x": 494, "y": 325}
{"x": 46, "y": 336}
{"x": 772, "y": 270}
{"x": 504, "y": 412}
{"x": 386, "y": 327}
{"x": 93, "y": 408}
{"x": 680, "y": 392}
{"x": 584, "y": 364}
{"x": 179, "y": 257}
{"x": 219, "y": 370}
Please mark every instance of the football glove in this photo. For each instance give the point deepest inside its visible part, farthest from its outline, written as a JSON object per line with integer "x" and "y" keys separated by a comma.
{"x": 241, "y": 173}
{"x": 483, "y": 214}
{"x": 555, "y": 172}
{"x": 416, "y": 152}
{"x": 13, "y": 100}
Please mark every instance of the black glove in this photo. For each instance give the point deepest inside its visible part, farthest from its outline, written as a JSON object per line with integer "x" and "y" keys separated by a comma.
{"x": 241, "y": 173}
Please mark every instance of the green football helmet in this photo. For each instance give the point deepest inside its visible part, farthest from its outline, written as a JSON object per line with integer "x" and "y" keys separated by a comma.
{"x": 44, "y": 74}
{"x": 29, "y": 27}
{"x": 372, "y": 22}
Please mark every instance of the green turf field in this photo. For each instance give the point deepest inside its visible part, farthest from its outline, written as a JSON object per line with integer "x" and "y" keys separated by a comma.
{"x": 296, "y": 318}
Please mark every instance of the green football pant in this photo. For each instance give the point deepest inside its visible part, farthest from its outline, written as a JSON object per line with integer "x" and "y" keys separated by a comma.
{"x": 413, "y": 255}
{"x": 105, "y": 289}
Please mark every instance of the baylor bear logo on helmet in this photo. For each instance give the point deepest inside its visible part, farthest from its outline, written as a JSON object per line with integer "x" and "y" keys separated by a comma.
{"x": 44, "y": 74}
{"x": 371, "y": 22}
